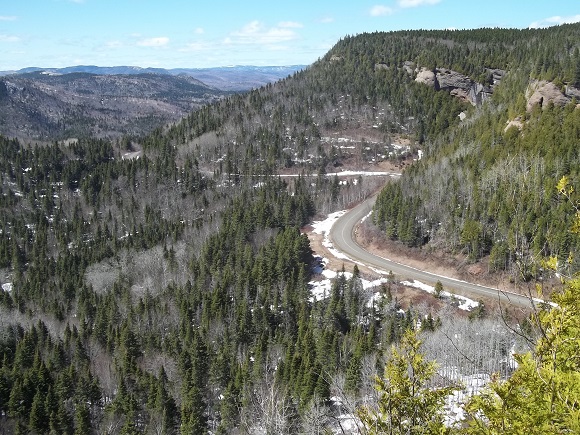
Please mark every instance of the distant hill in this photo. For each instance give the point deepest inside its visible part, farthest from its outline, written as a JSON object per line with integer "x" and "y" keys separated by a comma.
{"x": 60, "y": 103}
{"x": 51, "y": 106}
{"x": 229, "y": 78}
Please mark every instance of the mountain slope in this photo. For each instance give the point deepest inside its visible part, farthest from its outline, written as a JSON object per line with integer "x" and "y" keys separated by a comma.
{"x": 170, "y": 293}
{"x": 47, "y": 106}
{"x": 481, "y": 188}
{"x": 232, "y": 78}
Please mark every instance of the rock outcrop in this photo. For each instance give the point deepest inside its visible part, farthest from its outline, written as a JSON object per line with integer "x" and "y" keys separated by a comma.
{"x": 449, "y": 80}
{"x": 543, "y": 93}
{"x": 409, "y": 66}
{"x": 426, "y": 77}
{"x": 517, "y": 123}
{"x": 458, "y": 85}
{"x": 572, "y": 92}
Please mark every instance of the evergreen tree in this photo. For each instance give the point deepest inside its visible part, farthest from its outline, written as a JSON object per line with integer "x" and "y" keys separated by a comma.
{"x": 408, "y": 403}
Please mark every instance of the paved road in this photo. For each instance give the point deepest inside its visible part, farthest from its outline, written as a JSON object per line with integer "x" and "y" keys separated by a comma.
{"x": 341, "y": 235}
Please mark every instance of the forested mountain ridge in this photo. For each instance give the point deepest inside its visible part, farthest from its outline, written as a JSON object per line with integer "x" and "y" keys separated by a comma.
{"x": 44, "y": 106}
{"x": 169, "y": 293}
{"x": 85, "y": 101}
{"x": 227, "y": 78}
{"x": 501, "y": 165}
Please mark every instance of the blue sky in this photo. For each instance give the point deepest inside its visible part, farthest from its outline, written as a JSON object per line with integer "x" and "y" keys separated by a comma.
{"x": 196, "y": 34}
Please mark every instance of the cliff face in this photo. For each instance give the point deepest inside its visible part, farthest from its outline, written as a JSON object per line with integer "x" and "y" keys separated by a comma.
{"x": 458, "y": 84}
{"x": 543, "y": 93}
{"x": 466, "y": 89}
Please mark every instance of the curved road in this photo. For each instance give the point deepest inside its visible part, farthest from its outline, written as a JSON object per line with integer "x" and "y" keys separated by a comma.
{"x": 341, "y": 235}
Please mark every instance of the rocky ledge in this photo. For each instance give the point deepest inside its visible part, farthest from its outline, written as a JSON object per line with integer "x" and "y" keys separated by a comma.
{"x": 543, "y": 92}
{"x": 457, "y": 84}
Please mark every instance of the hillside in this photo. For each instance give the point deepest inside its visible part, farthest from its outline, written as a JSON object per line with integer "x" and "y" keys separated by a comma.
{"x": 162, "y": 284}
{"x": 45, "y": 106}
{"x": 84, "y": 101}
{"x": 228, "y": 78}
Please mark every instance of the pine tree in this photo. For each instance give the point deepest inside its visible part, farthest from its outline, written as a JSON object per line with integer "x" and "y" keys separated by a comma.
{"x": 542, "y": 395}
{"x": 38, "y": 419}
{"x": 408, "y": 404}
{"x": 82, "y": 420}
{"x": 193, "y": 418}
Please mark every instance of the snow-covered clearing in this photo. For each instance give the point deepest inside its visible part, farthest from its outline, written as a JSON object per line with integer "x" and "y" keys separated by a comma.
{"x": 454, "y": 403}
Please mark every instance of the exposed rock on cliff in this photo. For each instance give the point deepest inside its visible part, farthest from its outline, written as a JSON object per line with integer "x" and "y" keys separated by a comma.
{"x": 573, "y": 92}
{"x": 449, "y": 80}
{"x": 517, "y": 123}
{"x": 543, "y": 92}
{"x": 426, "y": 77}
{"x": 458, "y": 84}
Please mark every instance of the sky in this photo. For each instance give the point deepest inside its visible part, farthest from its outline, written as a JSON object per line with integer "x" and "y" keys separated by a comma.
{"x": 211, "y": 33}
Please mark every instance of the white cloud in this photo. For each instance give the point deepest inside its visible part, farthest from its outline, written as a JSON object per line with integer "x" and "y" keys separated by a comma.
{"x": 381, "y": 11}
{"x": 153, "y": 42}
{"x": 415, "y": 3}
{"x": 256, "y": 33}
{"x": 7, "y": 18}
{"x": 555, "y": 21}
{"x": 326, "y": 20}
{"x": 9, "y": 38}
{"x": 199, "y": 31}
{"x": 196, "y": 47}
{"x": 290, "y": 25}
{"x": 114, "y": 44}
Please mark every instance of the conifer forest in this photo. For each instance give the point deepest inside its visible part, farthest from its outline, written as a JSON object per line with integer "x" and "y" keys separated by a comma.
{"x": 162, "y": 284}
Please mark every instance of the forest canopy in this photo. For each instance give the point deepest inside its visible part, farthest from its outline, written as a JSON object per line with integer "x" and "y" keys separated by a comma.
{"x": 160, "y": 284}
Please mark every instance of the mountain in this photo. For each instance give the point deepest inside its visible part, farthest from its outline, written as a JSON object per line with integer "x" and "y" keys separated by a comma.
{"x": 57, "y": 104}
{"x": 47, "y": 106}
{"x": 240, "y": 78}
{"x": 164, "y": 284}
{"x": 232, "y": 78}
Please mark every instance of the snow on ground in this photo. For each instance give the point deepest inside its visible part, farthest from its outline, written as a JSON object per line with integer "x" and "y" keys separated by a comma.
{"x": 367, "y": 216}
{"x": 363, "y": 173}
{"x": 349, "y": 174}
{"x": 321, "y": 289}
{"x": 454, "y": 403}
{"x": 464, "y": 303}
{"x": 348, "y": 424}
{"x": 7, "y": 287}
{"x": 323, "y": 227}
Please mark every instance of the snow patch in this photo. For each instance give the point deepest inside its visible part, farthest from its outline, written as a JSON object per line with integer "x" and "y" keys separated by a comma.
{"x": 465, "y": 303}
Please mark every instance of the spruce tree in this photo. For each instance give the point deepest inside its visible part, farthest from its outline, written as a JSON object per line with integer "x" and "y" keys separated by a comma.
{"x": 408, "y": 403}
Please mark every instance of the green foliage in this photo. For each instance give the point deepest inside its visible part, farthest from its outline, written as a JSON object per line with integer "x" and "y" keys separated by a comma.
{"x": 407, "y": 402}
{"x": 488, "y": 195}
{"x": 174, "y": 286}
{"x": 543, "y": 393}
{"x": 438, "y": 289}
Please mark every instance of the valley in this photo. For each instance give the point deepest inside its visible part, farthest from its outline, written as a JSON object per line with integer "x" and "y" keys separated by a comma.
{"x": 43, "y": 105}
{"x": 167, "y": 263}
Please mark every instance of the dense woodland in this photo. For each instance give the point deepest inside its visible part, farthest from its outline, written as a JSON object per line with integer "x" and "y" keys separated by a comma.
{"x": 169, "y": 293}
